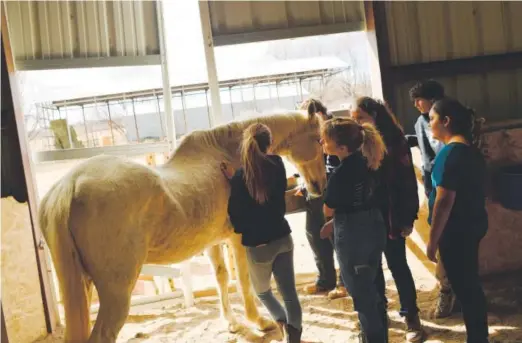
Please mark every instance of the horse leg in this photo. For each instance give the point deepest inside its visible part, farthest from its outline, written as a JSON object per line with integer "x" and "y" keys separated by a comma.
{"x": 215, "y": 254}
{"x": 251, "y": 311}
{"x": 115, "y": 284}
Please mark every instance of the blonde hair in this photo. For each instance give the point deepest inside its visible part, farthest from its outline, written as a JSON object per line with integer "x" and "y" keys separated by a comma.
{"x": 256, "y": 141}
{"x": 365, "y": 137}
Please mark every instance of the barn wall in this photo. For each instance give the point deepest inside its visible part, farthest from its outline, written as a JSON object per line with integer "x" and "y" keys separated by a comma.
{"x": 420, "y": 33}
{"x": 235, "y": 22}
{"x": 496, "y": 96}
{"x": 437, "y": 31}
{"x": 22, "y": 301}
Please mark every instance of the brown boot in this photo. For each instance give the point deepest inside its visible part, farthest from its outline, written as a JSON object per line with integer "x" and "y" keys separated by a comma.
{"x": 292, "y": 334}
{"x": 414, "y": 333}
{"x": 338, "y": 292}
{"x": 315, "y": 289}
{"x": 444, "y": 305}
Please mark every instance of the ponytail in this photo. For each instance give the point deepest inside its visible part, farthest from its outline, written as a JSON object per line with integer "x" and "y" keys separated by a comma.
{"x": 256, "y": 140}
{"x": 372, "y": 147}
{"x": 365, "y": 137}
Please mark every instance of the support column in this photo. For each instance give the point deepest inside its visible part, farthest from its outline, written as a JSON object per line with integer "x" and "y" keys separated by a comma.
{"x": 135, "y": 121}
{"x": 110, "y": 122}
{"x": 68, "y": 127}
{"x": 85, "y": 127}
{"x": 216, "y": 116}
{"x": 167, "y": 94}
{"x": 184, "y": 108}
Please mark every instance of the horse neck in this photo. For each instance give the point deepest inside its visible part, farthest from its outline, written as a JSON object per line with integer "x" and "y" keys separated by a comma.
{"x": 226, "y": 141}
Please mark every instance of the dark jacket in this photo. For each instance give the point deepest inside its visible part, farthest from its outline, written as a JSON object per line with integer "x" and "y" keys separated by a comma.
{"x": 259, "y": 223}
{"x": 398, "y": 187}
{"x": 429, "y": 147}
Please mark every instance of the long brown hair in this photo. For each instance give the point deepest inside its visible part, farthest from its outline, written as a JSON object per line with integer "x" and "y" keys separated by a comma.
{"x": 365, "y": 137}
{"x": 257, "y": 138}
{"x": 385, "y": 121}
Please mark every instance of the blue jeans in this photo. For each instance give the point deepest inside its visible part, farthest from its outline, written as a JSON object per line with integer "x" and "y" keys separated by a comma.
{"x": 276, "y": 258}
{"x": 360, "y": 239}
{"x": 323, "y": 249}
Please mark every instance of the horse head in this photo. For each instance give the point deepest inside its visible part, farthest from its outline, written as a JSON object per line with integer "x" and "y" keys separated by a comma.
{"x": 303, "y": 149}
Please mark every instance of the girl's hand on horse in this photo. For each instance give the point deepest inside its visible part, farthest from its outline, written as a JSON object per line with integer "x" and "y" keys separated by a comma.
{"x": 227, "y": 170}
{"x": 327, "y": 230}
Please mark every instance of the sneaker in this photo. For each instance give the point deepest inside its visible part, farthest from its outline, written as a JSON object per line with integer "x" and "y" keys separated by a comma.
{"x": 414, "y": 332}
{"x": 315, "y": 289}
{"x": 338, "y": 292}
{"x": 444, "y": 305}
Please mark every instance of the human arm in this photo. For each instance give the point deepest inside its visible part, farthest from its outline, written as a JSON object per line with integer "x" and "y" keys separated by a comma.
{"x": 331, "y": 201}
{"x": 236, "y": 205}
{"x": 227, "y": 170}
{"x": 441, "y": 212}
{"x": 281, "y": 184}
{"x": 405, "y": 196}
{"x": 446, "y": 193}
{"x": 327, "y": 229}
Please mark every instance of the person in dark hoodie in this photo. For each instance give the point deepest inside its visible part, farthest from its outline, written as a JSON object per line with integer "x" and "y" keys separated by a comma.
{"x": 256, "y": 209}
{"x": 323, "y": 250}
{"x": 399, "y": 204}
{"x": 423, "y": 95}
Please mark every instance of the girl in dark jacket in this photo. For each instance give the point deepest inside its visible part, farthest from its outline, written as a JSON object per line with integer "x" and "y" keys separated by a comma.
{"x": 399, "y": 203}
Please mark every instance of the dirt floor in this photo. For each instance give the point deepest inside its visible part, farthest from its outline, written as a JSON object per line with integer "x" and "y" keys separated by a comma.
{"x": 324, "y": 320}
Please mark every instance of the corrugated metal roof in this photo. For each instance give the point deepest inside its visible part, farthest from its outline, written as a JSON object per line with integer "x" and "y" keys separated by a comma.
{"x": 235, "y": 22}
{"x": 51, "y": 85}
{"x": 75, "y": 34}
{"x": 429, "y": 31}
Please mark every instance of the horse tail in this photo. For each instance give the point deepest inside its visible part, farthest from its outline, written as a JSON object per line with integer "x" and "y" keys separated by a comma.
{"x": 53, "y": 218}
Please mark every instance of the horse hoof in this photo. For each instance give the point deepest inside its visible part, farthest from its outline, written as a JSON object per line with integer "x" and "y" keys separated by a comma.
{"x": 233, "y": 327}
{"x": 265, "y": 324}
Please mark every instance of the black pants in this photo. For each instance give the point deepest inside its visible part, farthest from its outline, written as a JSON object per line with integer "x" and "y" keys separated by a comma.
{"x": 459, "y": 254}
{"x": 395, "y": 253}
{"x": 322, "y": 248}
{"x": 426, "y": 179}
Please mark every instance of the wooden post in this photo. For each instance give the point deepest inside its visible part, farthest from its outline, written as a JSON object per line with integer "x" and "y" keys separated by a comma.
{"x": 11, "y": 92}
{"x": 5, "y": 338}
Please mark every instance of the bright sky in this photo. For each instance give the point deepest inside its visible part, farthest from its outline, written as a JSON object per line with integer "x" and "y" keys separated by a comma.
{"x": 185, "y": 43}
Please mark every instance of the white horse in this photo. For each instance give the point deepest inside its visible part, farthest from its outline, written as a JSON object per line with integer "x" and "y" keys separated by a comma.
{"x": 109, "y": 216}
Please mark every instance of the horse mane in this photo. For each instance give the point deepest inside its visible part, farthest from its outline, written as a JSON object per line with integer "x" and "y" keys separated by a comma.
{"x": 222, "y": 136}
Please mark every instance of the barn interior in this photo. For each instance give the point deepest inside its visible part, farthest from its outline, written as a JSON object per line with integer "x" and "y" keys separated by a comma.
{"x": 473, "y": 48}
